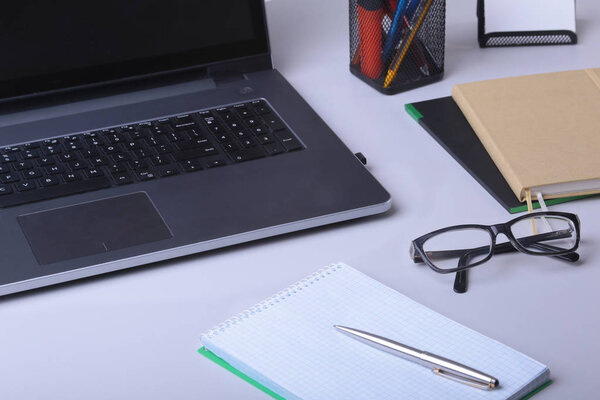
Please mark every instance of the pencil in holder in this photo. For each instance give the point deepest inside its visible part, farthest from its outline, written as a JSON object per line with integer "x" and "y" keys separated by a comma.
{"x": 397, "y": 45}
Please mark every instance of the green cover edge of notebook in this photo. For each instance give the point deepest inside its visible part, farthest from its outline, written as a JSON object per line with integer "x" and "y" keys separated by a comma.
{"x": 219, "y": 361}
{"x": 413, "y": 112}
{"x": 549, "y": 202}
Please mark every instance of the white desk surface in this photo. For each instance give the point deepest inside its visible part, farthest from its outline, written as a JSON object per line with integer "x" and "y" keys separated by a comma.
{"x": 134, "y": 335}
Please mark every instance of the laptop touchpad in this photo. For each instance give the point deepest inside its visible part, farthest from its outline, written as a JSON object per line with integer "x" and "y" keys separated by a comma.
{"x": 92, "y": 228}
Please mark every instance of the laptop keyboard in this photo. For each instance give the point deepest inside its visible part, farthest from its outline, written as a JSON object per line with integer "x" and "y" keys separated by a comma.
{"x": 142, "y": 151}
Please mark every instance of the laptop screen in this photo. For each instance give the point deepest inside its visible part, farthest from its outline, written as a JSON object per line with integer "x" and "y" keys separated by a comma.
{"x": 47, "y": 45}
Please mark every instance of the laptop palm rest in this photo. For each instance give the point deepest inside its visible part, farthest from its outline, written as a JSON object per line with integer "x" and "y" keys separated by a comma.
{"x": 92, "y": 228}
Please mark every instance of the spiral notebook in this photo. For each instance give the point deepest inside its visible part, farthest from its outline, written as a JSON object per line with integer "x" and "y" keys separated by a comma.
{"x": 287, "y": 346}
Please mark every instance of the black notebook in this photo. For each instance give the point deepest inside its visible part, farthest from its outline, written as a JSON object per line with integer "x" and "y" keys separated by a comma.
{"x": 445, "y": 122}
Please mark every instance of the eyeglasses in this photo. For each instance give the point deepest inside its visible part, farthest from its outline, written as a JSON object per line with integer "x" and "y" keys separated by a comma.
{"x": 461, "y": 247}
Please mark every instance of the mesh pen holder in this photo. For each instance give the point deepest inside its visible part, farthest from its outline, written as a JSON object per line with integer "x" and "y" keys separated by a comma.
{"x": 397, "y": 45}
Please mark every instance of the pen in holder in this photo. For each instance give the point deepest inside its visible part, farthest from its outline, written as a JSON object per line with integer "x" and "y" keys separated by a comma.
{"x": 397, "y": 45}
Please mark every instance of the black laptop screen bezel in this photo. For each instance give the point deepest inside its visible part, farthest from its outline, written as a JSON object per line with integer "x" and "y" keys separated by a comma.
{"x": 144, "y": 67}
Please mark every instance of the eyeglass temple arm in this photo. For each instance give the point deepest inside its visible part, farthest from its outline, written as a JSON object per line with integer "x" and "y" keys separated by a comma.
{"x": 461, "y": 278}
{"x": 532, "y": 241}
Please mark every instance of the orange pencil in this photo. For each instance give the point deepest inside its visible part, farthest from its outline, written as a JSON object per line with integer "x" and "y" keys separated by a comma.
{"x": 393, "y": 70}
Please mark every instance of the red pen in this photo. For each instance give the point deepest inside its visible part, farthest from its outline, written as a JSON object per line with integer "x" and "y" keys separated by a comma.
{"x": 370, "y": 17}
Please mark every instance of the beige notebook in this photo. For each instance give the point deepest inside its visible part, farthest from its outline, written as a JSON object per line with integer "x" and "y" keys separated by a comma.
{"x": 542, "y": 131}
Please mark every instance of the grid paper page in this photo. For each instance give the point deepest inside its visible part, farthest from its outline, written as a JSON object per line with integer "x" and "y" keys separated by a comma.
{"x": 288, "y": 344}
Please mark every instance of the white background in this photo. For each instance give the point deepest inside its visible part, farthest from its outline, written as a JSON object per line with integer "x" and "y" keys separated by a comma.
{"x": 134, "y": 335}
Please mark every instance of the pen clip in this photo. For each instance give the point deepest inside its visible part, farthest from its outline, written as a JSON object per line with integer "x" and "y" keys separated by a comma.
{"x": 462, "y": 379}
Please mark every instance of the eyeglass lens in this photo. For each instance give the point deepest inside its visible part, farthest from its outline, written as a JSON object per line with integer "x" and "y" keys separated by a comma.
{"x": 465, "y": 246}
{"x": 545, "y": 234}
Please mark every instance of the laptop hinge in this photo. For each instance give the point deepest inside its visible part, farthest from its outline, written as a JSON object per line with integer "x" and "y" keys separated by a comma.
{"x": 221, "y": 78}
{"x": 236, "y": 70}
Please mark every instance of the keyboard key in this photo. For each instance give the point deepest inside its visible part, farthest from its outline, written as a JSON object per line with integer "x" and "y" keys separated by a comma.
{"x": 4, "y": 168}
{"x": 46, "y": 161}
{"x": 138, "y": 134}
{"x": 164, "y": 149}
{"x": 184, "y": 125}
{"x": 72, "y": 146}
{"x": 261, "y": 107}
{"x": 53, "y": 191}
{"x": 91, "y": 153}
{"x": 71, "y": 176}
{"x": 274, "y": 148}
{"x": 30, "y": 154}
{"x": 54, "y": 169}
{"x": 191, "y": 166}
{"x": 259, "y": 130}
{"x": 50, "y": 150}
{"x": 10, "y": 177}
{"x": 222, "y": 138}
{"x": 138, "y": 164}
{"x": 217, "y": 129}
{"x": 160, "y": 160}
{"x": 247, "y": 154}
{"x": 94, "y": 173}
{"x": 227, "y": 116}
{"x": 234, "y": 124}
{"x": 241, "y": 134}
{"x": 252, "y": 122}
{"x": 143, "y": 153}
{"x": 265, "y": 139}
{"x": 196, "y": 133}
{"x": 32, "y": 174}
{"x": 208, "y": 119}
{"x": 216, "y": 163}
{"x": 49, "y": 181}
{"x": 75, "y": 165}
{"x": 273, "y": 122}
{"x": 193, "y": 144}
{"x": 145, "y": 175}
{"x": 232, "y": 146}
{"x": 29, "y": 146}
{"x": 153, "y": 141}
{"x": 183, "y": 119}
{"x": 66, "y": 157}
{"x": 196, "y": 153}
{"x": 167, "y": 170}
{"x": 119, "y": 157}
{"x": 99, "y": 161}
{"x": 25, "y": 186}
{"x": 5, "y": 189}
{"x": 8, "y": 158}
{"x": 21, "y": 165}
{"x": 123, "y": 178}
{"x": 244, "y": 112}
{"x": 247, "y": 143}
{"x": 117, "y": 167}
{"x": 289, "y": 140}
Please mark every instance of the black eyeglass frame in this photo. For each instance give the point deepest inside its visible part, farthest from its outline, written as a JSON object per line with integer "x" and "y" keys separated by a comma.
{"x": 419, "y": 255}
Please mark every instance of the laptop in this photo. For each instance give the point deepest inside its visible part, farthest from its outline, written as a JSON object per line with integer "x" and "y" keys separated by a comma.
{"x": 139, "y": 131}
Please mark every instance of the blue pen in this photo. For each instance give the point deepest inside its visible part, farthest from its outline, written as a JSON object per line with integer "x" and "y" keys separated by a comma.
{"x": 395, "y": 30}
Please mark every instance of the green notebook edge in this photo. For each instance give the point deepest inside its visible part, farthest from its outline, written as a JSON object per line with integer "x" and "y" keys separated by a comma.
{"x": 224, "y": 364}
{"x": 219, "y": 361}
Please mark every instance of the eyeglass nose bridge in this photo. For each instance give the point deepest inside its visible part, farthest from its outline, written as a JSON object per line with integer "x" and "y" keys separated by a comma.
{"x": 500, "y": 229}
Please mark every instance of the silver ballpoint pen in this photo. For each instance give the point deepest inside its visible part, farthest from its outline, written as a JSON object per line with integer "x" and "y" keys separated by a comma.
{"x": 440, "y": 365}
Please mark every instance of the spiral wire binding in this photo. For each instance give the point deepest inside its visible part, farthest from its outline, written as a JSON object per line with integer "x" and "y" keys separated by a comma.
{"x": 274, "y": 300}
